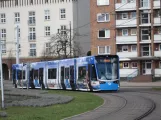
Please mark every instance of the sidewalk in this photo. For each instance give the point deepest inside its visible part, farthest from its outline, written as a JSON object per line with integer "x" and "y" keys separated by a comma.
{"x": 138, "y": 84}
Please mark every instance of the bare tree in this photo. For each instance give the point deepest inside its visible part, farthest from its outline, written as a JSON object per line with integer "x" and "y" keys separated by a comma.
{"x": 61, "y": 44}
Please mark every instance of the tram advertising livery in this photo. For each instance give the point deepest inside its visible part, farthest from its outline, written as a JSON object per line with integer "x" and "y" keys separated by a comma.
{"x": 91, "y": 73}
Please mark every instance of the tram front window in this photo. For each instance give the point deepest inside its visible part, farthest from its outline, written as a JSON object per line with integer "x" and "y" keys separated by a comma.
{"x": 107, "y": 68}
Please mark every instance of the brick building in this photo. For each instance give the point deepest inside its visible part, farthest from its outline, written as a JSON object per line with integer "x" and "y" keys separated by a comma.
{"x": 132, "y": 30}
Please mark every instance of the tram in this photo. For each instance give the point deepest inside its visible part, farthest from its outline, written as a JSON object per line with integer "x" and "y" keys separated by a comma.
{"x": 91, "y": 73}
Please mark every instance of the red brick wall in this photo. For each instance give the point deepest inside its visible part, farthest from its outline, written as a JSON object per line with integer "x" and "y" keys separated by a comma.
{"x": 95, "y": 42}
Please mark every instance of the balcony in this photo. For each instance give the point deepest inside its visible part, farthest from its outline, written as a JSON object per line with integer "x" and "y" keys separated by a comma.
{"x": 156, "y": 4}
{"x": 126, "y": 23}
{"x": 157, "y": 21}
{"x": 157, "y": 72}
{"x": 157, "y": 53}
{"x": 126, "y": 39}
{"x": 125, "y": 6}
{"x": 127, "y": 54}
{"x": 126, "y": 72}
{"x": 157, "y": 37}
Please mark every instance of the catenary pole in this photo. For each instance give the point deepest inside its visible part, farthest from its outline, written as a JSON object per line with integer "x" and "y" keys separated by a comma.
{"x": 70, "y": 39}
{"x": 17, "y": 46}
{"x": 2, "y": 89}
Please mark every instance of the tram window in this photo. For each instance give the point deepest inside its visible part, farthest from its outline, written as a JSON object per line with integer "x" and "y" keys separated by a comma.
{"x": 82, "y": 73}
{"x": 35, "y": 74}
{"x": 52, "y": 73}
{"x": 40, "y": 71}
{"x": 66, "y": 73}
{"x": 62, "y": 73}
{"x": 93, "y": 73}
{"x": 24, "y": 74}
{"x": 72, "y": 73}
{"x": 19, "y": 74}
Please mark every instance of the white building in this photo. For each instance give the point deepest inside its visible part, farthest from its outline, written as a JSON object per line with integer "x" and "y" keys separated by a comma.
{"x": 37, "y": 21}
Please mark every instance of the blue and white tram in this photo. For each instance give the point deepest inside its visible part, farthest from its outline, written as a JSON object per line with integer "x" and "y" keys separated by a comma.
{"x": 91, "y": 73}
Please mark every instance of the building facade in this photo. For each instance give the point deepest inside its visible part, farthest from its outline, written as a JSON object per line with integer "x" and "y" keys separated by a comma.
{"x": 132, "y": 30}
{"x": 34, "y": 22}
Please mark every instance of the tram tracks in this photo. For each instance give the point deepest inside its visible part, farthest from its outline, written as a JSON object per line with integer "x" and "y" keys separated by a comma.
{"x": 154, "y": 108}
{"x": 148, "y": 112}
{"x": 123, "y": 106}
{"x": 149, "y": 105}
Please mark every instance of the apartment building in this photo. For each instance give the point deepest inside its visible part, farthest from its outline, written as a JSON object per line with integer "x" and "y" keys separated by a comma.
{"x": 36, "y": 22}
{"x": 132, "y": 30}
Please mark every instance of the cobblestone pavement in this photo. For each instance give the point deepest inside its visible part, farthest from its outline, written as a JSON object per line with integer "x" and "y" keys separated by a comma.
{"x": 24, "y": 97}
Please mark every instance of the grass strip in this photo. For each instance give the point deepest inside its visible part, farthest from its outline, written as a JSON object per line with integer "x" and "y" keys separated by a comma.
{"x": 83, "y": 101}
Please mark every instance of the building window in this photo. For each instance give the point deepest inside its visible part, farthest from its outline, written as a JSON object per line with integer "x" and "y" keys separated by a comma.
{"x": 102, "y": 2}
{"x": 103, "y": 49}
{"x": 47, "y": 14}
{"x": 63, "y": 29}
{"x": 133, "y": 48}
{"x": 133, "y": 14}
{"x": 17, "y": 17}
{"x": 32, "y": 49}
{"x": 125, "y": 65}
{"x": 104, "y": 34}
{"x": 19, "y": 48}
{"x": 47, "y": 48}
{"x": 131, "y": 1}
{"x": 124, "y": 16}
{"x": 123, "y": 1}
{"x": 144, "y": 3}
{"x": 3, "y": 48}
{"x": 62, "y": 13}
{"x": 134, "y": 65}
{"x": 133, "y": 31}
{"x": 125, "y": 48}
{"x": 32, "y": 18}
{"x": 103, "y": 17}
{"x": 3, "y": 34}
{"x": 145, "y": 34}
{"x": 19, "y": 33}
{"x": 160, "y": 64}
{"x": 32, "y": 33}
{"x": 159, "y": 47}
{"x": 3, "y": 18}
{"x": 145, "y": 18}
{"x": 124, "y": 32}
{"x": 159, "y": 30}
{"x": 47, "y": 31}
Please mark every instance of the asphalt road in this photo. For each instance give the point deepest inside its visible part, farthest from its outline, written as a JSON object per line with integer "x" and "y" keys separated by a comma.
{"x": 127, "y": 104}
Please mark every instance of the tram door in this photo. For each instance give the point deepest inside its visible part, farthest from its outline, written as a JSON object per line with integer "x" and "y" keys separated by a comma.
{"x": 67, "y": 82}
{"x": 71, "y": 78}
{"x": 89, "y": 77}
{"x": 41, "y": 78}
{"x": 62, "y": 77}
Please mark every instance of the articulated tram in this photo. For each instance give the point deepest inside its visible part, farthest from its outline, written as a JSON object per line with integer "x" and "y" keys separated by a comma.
{"x": 91, "y": 73}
